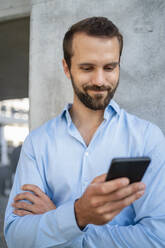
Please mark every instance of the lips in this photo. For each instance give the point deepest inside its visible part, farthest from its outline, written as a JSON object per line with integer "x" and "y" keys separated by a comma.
{"x": 96, "y": 92}
{"x": 97, "y": 88}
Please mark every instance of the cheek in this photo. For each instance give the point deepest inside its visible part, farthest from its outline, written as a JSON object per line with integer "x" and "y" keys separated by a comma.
{"x": 85, "y": 78}
{"x": 113, "y": 77}
{"x": 82, "y": 78}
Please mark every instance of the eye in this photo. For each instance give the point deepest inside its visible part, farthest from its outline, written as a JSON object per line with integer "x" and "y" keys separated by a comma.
{"x": 109, "y": 68}
{"x": 86, "y": 68}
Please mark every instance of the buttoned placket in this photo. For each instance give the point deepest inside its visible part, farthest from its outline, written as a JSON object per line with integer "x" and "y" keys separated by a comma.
{"x": 74, "y": 132}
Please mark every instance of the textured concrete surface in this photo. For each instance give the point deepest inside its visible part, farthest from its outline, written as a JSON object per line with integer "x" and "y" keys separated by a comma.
{"x": 142, "y": 86}
{"x": 11, "y": 9}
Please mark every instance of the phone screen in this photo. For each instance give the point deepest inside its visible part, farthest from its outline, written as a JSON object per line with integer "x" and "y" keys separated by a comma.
{"x": 132, "y": 168}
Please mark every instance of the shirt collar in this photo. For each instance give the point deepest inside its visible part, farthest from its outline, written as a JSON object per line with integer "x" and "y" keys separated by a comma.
{"x": 112, "y": 106}
{"x": 65, "y": 113}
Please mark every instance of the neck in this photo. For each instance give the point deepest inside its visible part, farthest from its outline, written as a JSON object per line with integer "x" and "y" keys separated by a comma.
{"x": 85, "y": 117}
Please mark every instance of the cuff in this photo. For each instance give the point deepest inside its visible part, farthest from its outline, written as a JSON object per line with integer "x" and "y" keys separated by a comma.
{"x": 66, "y": 221}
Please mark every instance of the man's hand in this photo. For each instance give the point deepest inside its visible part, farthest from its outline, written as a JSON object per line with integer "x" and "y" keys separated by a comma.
{"x": 102, "y": 201}
{"x": 40, "y": 202}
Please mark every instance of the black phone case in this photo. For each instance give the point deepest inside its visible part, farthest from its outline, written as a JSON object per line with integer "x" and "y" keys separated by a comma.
{"x": 132, "y": 168}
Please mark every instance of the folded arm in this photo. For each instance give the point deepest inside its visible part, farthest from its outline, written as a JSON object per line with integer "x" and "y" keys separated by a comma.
{"x": 52, "y": 228}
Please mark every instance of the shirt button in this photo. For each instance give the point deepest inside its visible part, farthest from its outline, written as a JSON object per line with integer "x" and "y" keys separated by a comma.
{"x": 86, "y": 154}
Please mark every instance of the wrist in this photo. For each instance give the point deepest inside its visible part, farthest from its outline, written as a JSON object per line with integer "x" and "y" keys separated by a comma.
{"x": 77, "y": 209}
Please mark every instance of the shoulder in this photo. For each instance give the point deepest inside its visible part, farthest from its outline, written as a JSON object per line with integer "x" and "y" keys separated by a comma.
{"x": 133, "y": 120}
{"x": 143, "y": 129}
{"x": 44, "y": 132}
{"x": 150, "y": 129}
{"x": 131, "y": 124}
{"x": 128, "y": 120}
{"x": 140, "y": 128}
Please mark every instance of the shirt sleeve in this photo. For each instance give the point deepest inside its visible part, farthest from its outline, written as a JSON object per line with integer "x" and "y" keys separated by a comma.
{"x": 148, "y": 229}
{"x": 54, "y": 228}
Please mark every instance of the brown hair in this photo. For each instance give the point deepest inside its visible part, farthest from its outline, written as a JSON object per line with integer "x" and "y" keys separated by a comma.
{"x": 94, "y": 26}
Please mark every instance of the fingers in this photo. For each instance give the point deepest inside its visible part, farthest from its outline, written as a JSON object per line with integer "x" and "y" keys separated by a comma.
{"x": 21, "y": 205}
{"x": 109, "y": 187}
{"x": 21, "y": 212}
{"x": 39, "y": 201}
{"x": 34, "y": 188}
{"x": 110, "y": 215}
{"x": 127, "y": 191}
{"x": 99, "y": 200}
{"x": 25, "y": 196}
{"x": 107, "y": 216}
{"x": 108, "y": 211}
{"x": 123, "y": 192}
{"x": 119, "y": 205}
{"x": 99, "y": 179}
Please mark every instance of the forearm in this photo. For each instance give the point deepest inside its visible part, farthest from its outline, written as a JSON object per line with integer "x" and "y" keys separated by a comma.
{"x": 58, "y": 228}
{"x": 123, "y": 236}
{"x": 55, "y": 228}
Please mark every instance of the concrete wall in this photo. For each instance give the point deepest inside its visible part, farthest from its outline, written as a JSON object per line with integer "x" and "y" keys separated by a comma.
{"x": 11, "y": 9}
{"x": 142, "y": 85}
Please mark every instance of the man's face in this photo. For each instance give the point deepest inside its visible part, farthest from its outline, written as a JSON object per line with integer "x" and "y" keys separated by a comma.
{"x": 94, "y": 70}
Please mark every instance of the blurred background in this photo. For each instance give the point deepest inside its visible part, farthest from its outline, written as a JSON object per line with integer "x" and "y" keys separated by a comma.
{"x": 14, "y": 99}
{"x": 13, "y": 130}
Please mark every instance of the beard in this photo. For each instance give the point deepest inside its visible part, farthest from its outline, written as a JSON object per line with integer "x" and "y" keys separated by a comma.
{"x": 98, "y": 101}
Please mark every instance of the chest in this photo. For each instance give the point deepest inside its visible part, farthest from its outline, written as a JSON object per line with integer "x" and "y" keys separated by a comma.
{"x": 87, "y": 134}
{"x": 70, "y": 165}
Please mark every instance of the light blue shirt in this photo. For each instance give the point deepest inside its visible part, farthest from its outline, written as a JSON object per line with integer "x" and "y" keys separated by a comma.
{"x": 56, "y": 158}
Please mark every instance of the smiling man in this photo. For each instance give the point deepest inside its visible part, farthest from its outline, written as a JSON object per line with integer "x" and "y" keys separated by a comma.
{"x": 94, "y": 75}
{"x": 60, "y": 197}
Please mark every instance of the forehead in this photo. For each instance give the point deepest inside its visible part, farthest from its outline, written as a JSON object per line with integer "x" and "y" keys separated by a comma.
{"x": 89, "y": 48}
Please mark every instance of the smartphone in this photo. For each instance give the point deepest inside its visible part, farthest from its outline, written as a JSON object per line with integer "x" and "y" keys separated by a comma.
{"x": 132, "y": 168}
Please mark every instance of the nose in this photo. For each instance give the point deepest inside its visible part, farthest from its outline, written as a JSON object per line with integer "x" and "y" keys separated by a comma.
{"x": 98, "y": 77}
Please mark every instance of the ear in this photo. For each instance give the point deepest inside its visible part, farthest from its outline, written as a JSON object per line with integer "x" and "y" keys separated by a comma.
{"x": 66, "y": 69}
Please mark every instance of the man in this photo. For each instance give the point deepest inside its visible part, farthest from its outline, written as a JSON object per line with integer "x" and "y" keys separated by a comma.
{"x": 60, "y": 197}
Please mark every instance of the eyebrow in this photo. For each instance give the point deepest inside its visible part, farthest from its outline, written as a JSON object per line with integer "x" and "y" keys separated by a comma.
{"x": 91, "y": 64}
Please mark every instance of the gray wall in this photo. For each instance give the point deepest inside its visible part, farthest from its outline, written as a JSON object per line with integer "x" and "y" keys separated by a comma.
{"x": 142, "y": 84}
{"x": 12, "y": 9}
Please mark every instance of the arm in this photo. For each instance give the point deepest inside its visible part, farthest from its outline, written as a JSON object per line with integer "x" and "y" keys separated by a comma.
{"x": 55, "y": 227}
{"x": 148, "y": 227}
